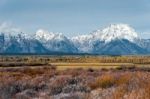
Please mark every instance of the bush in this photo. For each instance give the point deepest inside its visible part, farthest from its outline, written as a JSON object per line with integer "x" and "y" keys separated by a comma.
{"x": 104, "y": 81}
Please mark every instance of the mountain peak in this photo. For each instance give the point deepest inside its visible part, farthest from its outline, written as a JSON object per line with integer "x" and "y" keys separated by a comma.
{"x": 116, "y": 31}
{"x": 112, "y": 40}
{"x": 45, "y": 35}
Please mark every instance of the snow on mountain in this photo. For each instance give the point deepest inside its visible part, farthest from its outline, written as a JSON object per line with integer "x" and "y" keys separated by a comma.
{"x": 55, "y": 41}
{"x": 83, "y": 42}
{"x": 86, "y": 43}
{"x": 20, "y": 43}
{"x": 112, "y": 32}
{"x": 114, "y": 39}
{"x": 116, "y": 31}
{"x": 44, "y": 35}
{"x": 118, "y": 47}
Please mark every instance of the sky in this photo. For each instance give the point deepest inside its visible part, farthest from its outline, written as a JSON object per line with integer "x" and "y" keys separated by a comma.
{"x": 73, "y": 17}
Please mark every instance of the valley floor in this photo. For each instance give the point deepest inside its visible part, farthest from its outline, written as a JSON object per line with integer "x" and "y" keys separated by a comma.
{"x": 52, "y": 78}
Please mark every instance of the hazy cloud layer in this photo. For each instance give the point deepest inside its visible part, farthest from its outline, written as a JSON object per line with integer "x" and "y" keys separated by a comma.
{"x": 8, "y": 27}
{"x": 75, "y": 16}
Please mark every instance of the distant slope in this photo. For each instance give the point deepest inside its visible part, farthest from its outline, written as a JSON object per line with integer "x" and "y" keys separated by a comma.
{"x": 116, "y": 39}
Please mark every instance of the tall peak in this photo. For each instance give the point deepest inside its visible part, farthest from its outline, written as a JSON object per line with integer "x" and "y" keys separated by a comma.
{"x": 116, "y": 31}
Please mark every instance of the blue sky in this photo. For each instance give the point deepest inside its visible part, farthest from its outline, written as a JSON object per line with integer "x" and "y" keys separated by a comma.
{"x": 74, "y": 17}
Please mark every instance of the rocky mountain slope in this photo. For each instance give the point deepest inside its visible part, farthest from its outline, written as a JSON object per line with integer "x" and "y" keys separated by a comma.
{"x": 116, "y": 39}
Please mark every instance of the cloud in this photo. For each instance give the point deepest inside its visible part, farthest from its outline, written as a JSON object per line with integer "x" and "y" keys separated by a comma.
{"x": 7, "y": 27}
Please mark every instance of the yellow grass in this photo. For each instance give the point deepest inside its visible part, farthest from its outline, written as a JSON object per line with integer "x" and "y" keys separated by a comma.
{"x": 65, "y": 62}
{"x": 63, "y": 66}
{"x": 92, "y": 64}
{"x": 84, "y": 67}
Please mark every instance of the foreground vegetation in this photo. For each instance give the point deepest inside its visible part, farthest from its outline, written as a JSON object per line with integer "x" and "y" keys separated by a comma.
{"x": 43, "y": 77}
{"x": 49, "y": 83}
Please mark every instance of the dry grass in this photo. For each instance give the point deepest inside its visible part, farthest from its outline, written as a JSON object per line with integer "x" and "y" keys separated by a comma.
{"x": 78, "y": 83}
{"x": 103, "y": 81}
{"x": 79, "y": 78}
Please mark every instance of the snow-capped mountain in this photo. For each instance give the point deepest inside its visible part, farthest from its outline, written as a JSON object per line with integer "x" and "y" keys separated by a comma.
{"x": 45, "y": 36}
{"x": 20, "y": 44}
{"x": 55, "y": 41}
{"x": 116, "y": 31}
{"x": 112, "y": 32}
{"x": 100, "y": 38}
{"x": 116, "y": 39}
{"x": 83, "y": 43}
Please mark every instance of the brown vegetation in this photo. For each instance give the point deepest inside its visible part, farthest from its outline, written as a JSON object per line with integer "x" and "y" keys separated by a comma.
{"x": 76, "y": 59}
{"x": 32, "y": 77}
{"x": 47, "y": 82}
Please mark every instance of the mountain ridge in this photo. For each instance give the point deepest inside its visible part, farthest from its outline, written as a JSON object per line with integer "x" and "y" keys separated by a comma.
{"x": 116, "y": 39}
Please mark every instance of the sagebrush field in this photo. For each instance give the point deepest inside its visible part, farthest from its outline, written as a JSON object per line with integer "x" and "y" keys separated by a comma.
{"x": 74, "y": 77}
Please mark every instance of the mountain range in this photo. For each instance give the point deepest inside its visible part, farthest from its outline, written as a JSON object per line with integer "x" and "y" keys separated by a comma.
{"x": 115, "y": 39}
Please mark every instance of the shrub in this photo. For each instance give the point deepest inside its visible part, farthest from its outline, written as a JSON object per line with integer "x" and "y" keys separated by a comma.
{"x": 123, "y": 79}
{"x": 105, "y": 81}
